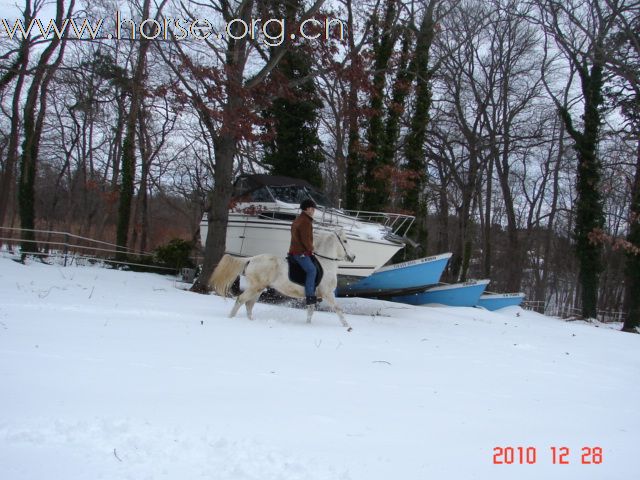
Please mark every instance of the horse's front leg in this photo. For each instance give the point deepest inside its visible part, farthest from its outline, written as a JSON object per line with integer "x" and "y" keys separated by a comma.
{"x": 331, "y": 300}
{"x": 250, "y": 304}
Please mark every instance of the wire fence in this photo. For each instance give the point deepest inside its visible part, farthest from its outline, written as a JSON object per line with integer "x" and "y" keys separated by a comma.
{"x": 571, "y": 312}
{"x": 69, "y": 248}
{"x": 534, "y": 305}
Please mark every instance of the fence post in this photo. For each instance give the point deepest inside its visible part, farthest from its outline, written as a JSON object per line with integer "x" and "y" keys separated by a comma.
{"x": 66, "y": 248}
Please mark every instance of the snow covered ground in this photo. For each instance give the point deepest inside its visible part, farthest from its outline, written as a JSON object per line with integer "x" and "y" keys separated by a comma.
{"x": 118, "y": 375}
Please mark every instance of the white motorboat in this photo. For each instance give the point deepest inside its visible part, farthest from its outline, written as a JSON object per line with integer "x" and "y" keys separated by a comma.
{"x": 264, "y": 206}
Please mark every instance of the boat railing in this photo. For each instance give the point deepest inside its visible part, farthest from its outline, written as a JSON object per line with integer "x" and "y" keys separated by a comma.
{"x": 398, "y": 223}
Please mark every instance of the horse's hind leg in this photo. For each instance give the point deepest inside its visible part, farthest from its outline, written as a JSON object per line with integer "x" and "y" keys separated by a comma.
{"x": 236, "y": 307}
{"x": 331, "y": 300}
{"x": 248, "y": 298}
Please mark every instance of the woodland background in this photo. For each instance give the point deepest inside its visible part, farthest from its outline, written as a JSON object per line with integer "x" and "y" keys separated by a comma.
{"x": 511, "y": 128}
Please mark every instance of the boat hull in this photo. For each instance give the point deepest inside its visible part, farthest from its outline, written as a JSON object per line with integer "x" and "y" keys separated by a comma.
{"x": 464, "y": 294}
{"x": 495, "y": 301}
{"x": 411, "y": 275}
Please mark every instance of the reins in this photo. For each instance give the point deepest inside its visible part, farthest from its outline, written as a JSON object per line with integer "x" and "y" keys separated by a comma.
{"x": 346, "y": 257}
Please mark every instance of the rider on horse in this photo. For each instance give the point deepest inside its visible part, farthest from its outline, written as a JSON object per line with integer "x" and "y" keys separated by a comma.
{"x": 301, "y": 248}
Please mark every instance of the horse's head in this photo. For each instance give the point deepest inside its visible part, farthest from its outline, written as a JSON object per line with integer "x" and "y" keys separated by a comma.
{"x": 343, "y": 250}
{"x": 333, "y": 245}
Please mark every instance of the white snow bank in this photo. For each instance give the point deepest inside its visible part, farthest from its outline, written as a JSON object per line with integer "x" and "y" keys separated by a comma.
{"x": 120, "y": 375}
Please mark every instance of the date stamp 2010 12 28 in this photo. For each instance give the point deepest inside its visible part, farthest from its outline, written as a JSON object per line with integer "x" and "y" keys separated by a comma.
{"x": 558, "y": 455}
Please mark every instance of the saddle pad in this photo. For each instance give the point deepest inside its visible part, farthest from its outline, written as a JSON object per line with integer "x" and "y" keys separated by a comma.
{"x": 297, "y": 274}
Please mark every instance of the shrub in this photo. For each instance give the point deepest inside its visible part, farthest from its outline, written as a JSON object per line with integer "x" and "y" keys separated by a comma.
{"x": 175, "y": 254}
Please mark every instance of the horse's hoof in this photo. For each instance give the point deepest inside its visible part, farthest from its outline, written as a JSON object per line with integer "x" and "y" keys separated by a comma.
{"x": 349, "y": 329}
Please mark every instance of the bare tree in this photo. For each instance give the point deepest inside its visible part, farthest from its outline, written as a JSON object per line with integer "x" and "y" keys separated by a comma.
{"x": 17, "y": 70}
{"x": 462, "y": 104}
{"x": 510, "y": 83}
{"x": 129, "y": 144}
{"x": 579, "y": 29}
{"x": 34, "y": 113}
{"x": 220, "y": 88}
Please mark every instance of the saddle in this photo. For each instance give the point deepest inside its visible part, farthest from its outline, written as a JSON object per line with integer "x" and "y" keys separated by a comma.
{"x": 298, "y": 275}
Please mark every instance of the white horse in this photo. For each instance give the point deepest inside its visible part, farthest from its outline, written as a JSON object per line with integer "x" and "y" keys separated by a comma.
{"x": 265, "y": 270}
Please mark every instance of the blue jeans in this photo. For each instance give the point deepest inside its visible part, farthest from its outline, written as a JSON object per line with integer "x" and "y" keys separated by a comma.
{"x": 310, "y": 269}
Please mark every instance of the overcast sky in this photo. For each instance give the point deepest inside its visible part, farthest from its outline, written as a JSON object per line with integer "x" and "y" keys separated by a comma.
{"x": 11, "y": 9}
{"x": 8, "y": 9}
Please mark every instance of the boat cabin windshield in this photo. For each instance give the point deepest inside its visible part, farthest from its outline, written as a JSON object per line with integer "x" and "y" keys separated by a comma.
{"x": 288, "y": 193}
{"x": 296, "y": 193}
{"x": 246, "y": 191}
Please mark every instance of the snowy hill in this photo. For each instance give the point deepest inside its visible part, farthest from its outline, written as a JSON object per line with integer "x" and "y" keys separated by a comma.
{"x": 117, "y": 375}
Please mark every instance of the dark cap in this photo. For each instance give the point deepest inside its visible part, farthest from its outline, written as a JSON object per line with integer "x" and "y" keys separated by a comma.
{"x": 307, "y": 203}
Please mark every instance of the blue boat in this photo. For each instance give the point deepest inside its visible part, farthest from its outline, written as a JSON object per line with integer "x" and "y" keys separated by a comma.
{"x": 464, "y": 294}
{"x": 414, "y": 275}
{"x": 494, "y": 301}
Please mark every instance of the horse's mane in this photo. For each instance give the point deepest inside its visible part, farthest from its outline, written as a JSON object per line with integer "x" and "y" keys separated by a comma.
{"x": 324, "y": 239}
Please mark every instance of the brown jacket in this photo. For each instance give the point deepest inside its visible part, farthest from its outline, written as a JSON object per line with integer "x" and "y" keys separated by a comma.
{"x": 302, "y": 235}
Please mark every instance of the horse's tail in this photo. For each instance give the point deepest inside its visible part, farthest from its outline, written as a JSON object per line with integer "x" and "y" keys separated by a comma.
{"x": 226, "y": 273}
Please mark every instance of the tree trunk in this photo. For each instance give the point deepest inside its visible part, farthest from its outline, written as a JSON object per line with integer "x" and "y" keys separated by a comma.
{"x": 583, "y": 36}
{"x": 7, "y": 181}
{"x": 632, "y": 270}
{"x": 129, "y": 145}
{"x": 399, "y": 93}
{"x": 486, "y": 234}
{"x": 462, "y": 252}
{"x": 514, "y": 264}
{"x": 352, "y": 181}
{"x": 33, "y": 131}
{"x": 377, "y": 182}
{"x": 541, "y": 287}
{"x": 416, "y": 166}
{"x": 218, "y": 208}
{"x": 20, "y": 70}
{"x": 589, "y": 210}
{"x": 142, "y": 218}
{"x": 226, "y": 147}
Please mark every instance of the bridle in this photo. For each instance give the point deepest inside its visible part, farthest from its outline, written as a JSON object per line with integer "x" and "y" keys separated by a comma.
{"x": 347, "y": 257}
